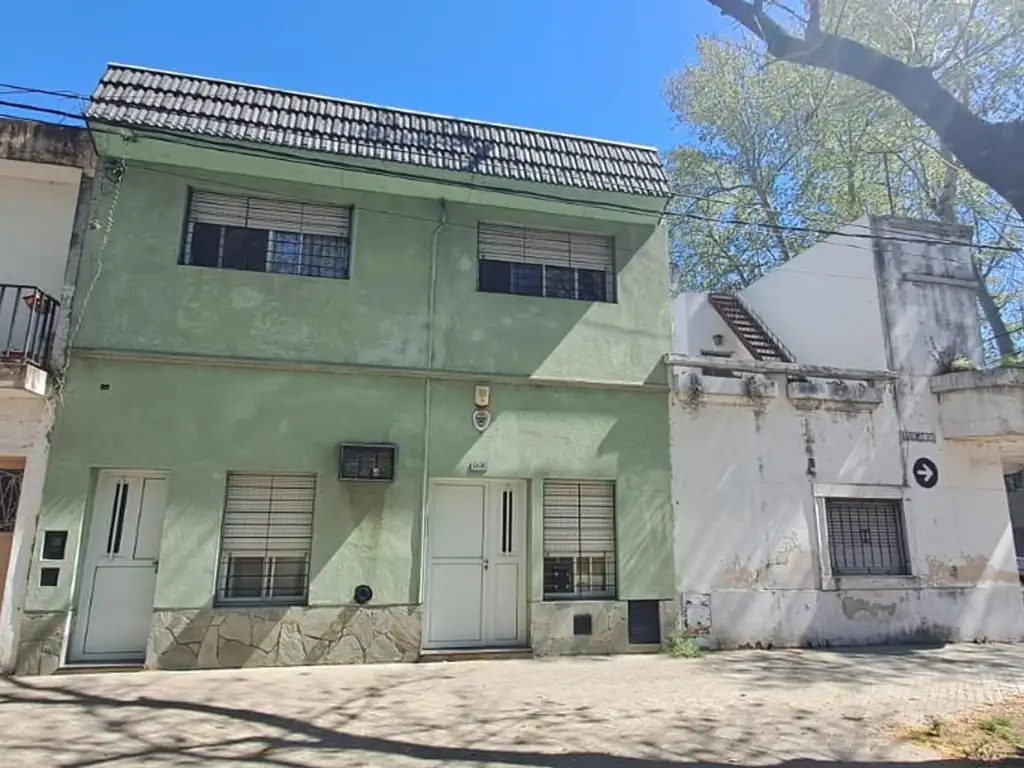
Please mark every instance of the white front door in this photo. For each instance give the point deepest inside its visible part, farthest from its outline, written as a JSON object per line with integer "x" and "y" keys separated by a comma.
{"x": 115, "y": 600}
{"x": 476, "y": 564}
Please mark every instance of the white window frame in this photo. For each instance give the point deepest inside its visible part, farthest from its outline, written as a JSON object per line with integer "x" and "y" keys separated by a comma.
{"x": 832, "y": 582}
{"x": 610, "y": 560}
{"x": 298, "y": 547}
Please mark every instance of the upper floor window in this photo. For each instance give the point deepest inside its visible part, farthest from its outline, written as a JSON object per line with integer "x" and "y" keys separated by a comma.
{"x": 278, "y": 236}
{"x": 540, "y": 262}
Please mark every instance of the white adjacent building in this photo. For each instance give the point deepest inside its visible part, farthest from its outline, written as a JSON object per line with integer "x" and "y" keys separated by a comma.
{"x": 833, "y": 482}
{"x": 45, "y": 187}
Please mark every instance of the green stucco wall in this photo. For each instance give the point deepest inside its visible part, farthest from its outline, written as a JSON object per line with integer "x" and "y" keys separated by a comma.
{"x": 198, "y": 422}
{"x": 190, "y": 410}
{"x": 145, "y": 300}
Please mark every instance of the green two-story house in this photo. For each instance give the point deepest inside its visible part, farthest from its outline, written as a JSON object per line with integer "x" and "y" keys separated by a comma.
{"x": 354, "y": 384}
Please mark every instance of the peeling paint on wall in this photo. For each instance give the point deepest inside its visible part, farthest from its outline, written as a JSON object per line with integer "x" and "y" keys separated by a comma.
{"x": 971, "y": 569}
{"x": 863, "y": 610}
{"x": 696, "y": 613}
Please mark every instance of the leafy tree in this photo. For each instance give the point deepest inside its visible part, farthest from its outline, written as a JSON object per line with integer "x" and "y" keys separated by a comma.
{"x": 817, "y": 146}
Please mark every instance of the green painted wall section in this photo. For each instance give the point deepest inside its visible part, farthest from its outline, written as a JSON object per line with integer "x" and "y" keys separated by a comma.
{"x": 145, "y": 300}
{"x": 198, "y": 422}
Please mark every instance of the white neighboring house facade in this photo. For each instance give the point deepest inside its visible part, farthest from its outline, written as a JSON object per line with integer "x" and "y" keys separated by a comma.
{"x": 46, "y": 175}
{"x": 832, "y": 484}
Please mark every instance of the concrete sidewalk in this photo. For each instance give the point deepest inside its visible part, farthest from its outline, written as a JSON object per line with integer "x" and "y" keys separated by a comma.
{"x": 743, "y": 708}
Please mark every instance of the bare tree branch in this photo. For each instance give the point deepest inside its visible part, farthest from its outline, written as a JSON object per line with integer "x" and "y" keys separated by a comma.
{"x": 980, "y": 146}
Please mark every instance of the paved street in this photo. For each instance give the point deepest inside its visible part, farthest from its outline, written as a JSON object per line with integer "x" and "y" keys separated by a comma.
{"x": 745, "y": 708}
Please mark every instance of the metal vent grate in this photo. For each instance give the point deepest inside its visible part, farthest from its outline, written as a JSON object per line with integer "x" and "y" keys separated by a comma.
{"x": 867, "y": 537}
{"x": 266, "y": 537}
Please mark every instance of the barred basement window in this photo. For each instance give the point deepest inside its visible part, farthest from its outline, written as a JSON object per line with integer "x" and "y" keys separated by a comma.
{"x": 538, "y": 262}
{"x": 866, "y": 537}
{"x": 265, "y": 538}
{"x": 277, "y": 236}
{"x": 579, "y": 539}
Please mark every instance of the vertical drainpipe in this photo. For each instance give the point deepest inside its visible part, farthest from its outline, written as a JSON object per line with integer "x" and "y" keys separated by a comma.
{"x": 431, "y": 299}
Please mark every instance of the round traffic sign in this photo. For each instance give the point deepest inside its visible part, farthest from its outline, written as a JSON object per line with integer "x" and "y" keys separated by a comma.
{"x": 926, "y": 473}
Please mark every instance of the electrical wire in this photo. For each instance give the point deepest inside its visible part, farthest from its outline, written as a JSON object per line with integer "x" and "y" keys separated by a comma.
{"x": 266, "y": 151}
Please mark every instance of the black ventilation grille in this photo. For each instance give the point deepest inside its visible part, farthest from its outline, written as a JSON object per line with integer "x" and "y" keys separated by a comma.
{"x": 644, "y": 622}
{"x": 583, "y": 624}
{"x": 367, "y": 462}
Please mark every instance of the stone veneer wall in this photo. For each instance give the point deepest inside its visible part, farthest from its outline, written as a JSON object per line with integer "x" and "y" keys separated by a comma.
{"x": 211, "y": 638}
{"x": 39, "y": 643}
{"x": 551, "y": 627}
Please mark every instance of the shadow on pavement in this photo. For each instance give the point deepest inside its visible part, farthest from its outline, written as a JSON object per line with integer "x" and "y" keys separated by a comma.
{"x": 253, "y": 737}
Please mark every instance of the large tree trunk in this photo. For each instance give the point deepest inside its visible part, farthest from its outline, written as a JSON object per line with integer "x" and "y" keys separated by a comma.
{"x": 991, "y": 152}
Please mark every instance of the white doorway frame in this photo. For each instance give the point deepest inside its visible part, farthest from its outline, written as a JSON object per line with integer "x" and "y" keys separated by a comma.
{"x": 79, "y": 601}
{"x": 521, "y": 524}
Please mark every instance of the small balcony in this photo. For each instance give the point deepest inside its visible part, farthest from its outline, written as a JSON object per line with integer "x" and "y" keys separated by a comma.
{"x": 28, "y": 322}
{"x": 986, "y": 405}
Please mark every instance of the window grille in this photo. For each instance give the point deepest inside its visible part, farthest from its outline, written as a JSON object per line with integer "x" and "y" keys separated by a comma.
{"x": 866, "y": 537}
{"x": 10, "y": 495}
{"x": 579, "y": 539}
{"x": 539, "y": 262}
{"x": 265, "y": 538}
{"x": 276, "y": 236}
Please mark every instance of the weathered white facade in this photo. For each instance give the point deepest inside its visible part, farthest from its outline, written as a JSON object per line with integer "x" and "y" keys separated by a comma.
{"x": 807, "y": 507}
{"x": 45, "y": 187}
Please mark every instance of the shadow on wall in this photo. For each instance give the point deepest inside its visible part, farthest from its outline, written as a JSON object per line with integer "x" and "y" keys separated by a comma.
{"x": 327, "y": 725}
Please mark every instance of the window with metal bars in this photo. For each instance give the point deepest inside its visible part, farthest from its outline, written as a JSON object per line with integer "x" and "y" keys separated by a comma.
{"x": 866, "y": 537}
{"x": 10, "y": 495}
{"x": 579, "y": 539}
{"x": 540, "y": 262}
{"x": 276, "y": 236}
{"x": 265, "y": 538}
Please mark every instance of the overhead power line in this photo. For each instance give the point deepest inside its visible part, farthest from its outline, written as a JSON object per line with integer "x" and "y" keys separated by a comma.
{"x": 265, "y": 151}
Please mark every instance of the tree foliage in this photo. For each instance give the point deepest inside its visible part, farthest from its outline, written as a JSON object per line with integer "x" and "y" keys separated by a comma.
{"x": 782, "y": 146}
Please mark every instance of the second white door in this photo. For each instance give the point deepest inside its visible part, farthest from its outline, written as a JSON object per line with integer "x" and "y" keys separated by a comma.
{"x": 476, "y": 567}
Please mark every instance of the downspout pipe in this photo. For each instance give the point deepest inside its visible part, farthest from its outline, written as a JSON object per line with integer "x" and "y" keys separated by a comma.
{"x": 427, "y": 392}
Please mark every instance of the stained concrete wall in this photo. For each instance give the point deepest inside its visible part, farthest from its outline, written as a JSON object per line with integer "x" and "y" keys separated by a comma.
{"x": 25, "y": 421}
{"x": 750, "y": 476}
{"x": 824, "y": 304}
{"x": 37, "y": 210}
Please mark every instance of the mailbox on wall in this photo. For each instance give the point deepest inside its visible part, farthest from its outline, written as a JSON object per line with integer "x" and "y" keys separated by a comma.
{"x": 367, "y": 462}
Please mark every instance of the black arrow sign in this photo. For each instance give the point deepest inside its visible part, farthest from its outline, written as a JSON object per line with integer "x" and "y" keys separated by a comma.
{"x": 926, "y": 473}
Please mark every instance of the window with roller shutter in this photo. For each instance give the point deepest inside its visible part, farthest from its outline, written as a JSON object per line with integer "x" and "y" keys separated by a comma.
{"x": 266, "y": 535}
{"x": 276, "y": 236}
{"x": 579, "y": 539}
{"x": 549, "y": 263}
{"x": 866, "y": 537}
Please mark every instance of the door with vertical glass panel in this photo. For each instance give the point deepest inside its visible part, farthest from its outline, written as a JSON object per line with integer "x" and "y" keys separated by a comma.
{"x": 476, "y": 576}
{"x": 115, "y": 599}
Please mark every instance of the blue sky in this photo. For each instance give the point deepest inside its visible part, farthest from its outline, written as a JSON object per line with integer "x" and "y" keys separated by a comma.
{"x": 592, "y": 67}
